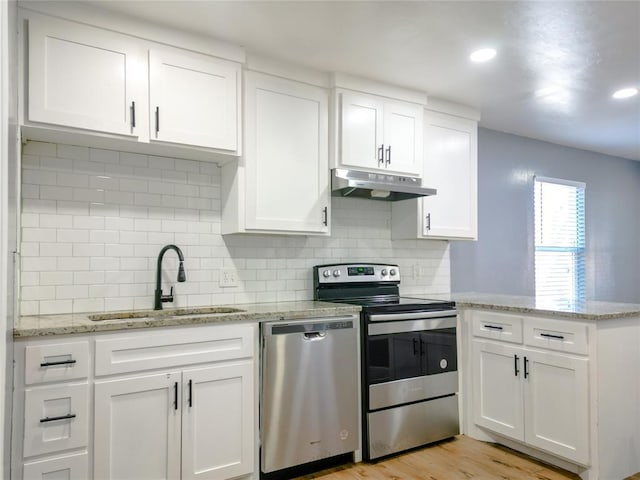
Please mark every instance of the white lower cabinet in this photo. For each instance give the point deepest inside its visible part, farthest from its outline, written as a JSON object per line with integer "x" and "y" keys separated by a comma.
{"x": 529, "y": 380}
{"x": 189, "y": 424}
{"x": 162, "y": 403}
{"x": 534, "y": 397}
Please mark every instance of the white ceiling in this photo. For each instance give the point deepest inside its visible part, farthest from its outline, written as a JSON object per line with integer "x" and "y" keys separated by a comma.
{"x": 586, "y": 49}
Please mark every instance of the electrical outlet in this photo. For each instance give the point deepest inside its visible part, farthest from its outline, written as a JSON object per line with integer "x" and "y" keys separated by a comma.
{"x": 228, "y": 277}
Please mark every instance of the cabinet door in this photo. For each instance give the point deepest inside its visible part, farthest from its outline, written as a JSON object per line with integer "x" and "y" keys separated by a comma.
{"x": 85, "y": 77}
{"x": 218, "y": 422}
{"x": 193, "y": 99}
{"x": 287, "y": 184}
{"x": 361, "y": 131}
{"x": 137, "y": 427}
{"x": 450, "y": 167}
{"x": 556, "y": 405}
{"x": 403, "y": 152}
{"x": 497, "y": 388}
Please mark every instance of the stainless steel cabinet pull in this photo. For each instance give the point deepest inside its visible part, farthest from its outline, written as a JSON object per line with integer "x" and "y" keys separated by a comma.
{"x": 494, "y": 327}
{"x": 61, "y": 417}
{"x": 157, "y": 120}
{"x": 61, "y": 362}
{"x": 325, "y": 216}
{"x": 549, "y": 335}
{"x": 175, "y": 396}
{"x": 428, "y": 220}
{"x": 381, "y": 155}
{"x": 388, "y": 160}
{"x": 133, "y": 114}
{"x": 526, "y": 367}
{"x": 515, "y": 364}
{"x": 190, "y": 393}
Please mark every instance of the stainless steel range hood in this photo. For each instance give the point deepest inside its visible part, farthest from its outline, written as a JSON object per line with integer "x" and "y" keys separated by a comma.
{"x": 376, "y": 186}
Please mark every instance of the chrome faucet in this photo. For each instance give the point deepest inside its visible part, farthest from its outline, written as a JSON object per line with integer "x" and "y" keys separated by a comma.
{"x": 159, "y": 298}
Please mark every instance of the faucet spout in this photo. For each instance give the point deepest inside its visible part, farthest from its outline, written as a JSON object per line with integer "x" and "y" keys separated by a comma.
{"x": 159, "y": 298}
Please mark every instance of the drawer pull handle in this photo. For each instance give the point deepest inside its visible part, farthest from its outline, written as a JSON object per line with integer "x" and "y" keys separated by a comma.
{"x": 61, "y": 362}
{"x": 549, "y": 335}
{"x": 526, "y": 367}
{"x": 494, "y": 327}
{"x": 175, "y": 396}
{"x": 515, "y": 364}
{"x": 61, "y": 417}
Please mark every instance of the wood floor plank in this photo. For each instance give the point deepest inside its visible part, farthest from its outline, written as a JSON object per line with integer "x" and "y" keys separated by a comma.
{"x": 461, "y": 458}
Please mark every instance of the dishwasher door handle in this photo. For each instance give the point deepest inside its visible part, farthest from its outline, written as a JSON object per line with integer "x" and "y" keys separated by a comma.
{"x": 311, "y": 336}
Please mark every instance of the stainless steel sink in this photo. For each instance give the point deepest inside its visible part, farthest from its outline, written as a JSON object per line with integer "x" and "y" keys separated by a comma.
{"x": 154, "y": 314}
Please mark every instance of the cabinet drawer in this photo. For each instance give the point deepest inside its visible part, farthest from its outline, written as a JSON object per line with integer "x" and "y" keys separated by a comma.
{"x": 497, "y": 326}
{"x": 55, "y": 418}
{"x": 52, "y": 362}
{"x": 561, "y": 335}
{"x": 123, "y": 353}
{"x": 70, "y": 467}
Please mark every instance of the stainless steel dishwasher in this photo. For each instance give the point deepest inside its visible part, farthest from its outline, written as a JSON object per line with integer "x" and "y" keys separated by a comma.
{"x": 309, "y": 391}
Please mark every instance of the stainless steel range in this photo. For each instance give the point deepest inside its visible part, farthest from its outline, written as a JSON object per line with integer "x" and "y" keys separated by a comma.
{"x": 409, "y": 357}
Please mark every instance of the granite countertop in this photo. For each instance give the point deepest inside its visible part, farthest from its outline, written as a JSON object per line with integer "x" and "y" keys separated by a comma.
{"x": 72, "y": 323}
{"x": 587, "y": 310}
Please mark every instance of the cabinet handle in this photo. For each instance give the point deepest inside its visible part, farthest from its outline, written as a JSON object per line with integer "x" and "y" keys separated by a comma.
{"x": 494, "y": 327}
{"x": 175, "y": 396}
{"x": 526, "y": 369}
{"x": 157, "y": 120}
{"x": 61, "y": 362}
{"x": 388, "y": 160}
{"x": 421, "y": 347}
{"x": 61, "y": 417}
{"x": 515, "y": 364}
{"x": 133, "y": 114}
{"x": 428, "y": 220}
{"x": 190, "y": 393}
{"x": 549, "y": 335}
{"x": 381, "y": 155}
{"x": 325, "y": 216}
{"x": 415, "y": 346}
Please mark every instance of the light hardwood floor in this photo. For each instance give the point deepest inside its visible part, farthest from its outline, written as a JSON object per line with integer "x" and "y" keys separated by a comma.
{"x": 461, "y": 458}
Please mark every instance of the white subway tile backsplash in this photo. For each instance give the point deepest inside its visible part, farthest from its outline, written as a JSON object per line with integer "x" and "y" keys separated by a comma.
{"x": 39, "y": 149}
{"x": 94, "y": 220}
{"x": 73, "y": 152}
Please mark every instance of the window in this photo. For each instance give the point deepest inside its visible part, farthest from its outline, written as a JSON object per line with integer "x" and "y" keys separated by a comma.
{"x": 559, "y": 241}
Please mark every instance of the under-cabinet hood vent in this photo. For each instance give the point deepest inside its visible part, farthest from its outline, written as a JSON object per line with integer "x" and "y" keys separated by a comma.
{"x": 376, "y": 186}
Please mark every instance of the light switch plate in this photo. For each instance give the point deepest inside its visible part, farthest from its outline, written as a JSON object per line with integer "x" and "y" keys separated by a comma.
{"x": 228, "y": 277}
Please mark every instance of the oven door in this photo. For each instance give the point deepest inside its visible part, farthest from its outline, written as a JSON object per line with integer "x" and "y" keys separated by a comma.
{"x": 410, "y": 360}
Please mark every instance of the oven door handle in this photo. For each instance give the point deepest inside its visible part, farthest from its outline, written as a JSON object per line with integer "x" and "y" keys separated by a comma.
{"x": 387, "y": 317}
{"x": 421, "y": 325}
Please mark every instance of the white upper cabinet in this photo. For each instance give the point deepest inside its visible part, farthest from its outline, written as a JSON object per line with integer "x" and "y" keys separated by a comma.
{"x": 95, "y": 84}
{"x": 86, "y": 78}
{"x": 283, "y": 185}
{"x": 193, "y": 99}
{"x": 450, "y": 166}
{"x": 379, "y": 134}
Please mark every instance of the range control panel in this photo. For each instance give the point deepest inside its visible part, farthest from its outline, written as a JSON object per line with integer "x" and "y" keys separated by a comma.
{"x": 357, "y": 272}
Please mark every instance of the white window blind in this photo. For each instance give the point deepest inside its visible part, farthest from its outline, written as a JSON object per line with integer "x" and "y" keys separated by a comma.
{"x": 559, "y": 241}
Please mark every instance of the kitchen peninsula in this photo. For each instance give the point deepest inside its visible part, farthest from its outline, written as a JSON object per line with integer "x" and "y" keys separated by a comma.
{"x": 558, "y": 382}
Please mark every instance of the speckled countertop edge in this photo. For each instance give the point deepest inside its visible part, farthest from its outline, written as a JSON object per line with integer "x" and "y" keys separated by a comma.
{"x": 588, "y": 310}
{"x": 77, "y": 323}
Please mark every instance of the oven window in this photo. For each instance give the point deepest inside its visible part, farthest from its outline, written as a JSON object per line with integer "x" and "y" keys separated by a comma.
{"x": 440, "y": 352}
{"x": 379, "y": 359}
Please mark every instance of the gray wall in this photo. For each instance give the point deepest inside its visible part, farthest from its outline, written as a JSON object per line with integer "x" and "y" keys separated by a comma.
{"x": 501, "y": 261}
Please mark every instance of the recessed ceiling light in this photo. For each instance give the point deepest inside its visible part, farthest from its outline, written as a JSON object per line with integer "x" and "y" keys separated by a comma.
{"x": 482, "y": 55}
{"x": 625, "y": 93}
